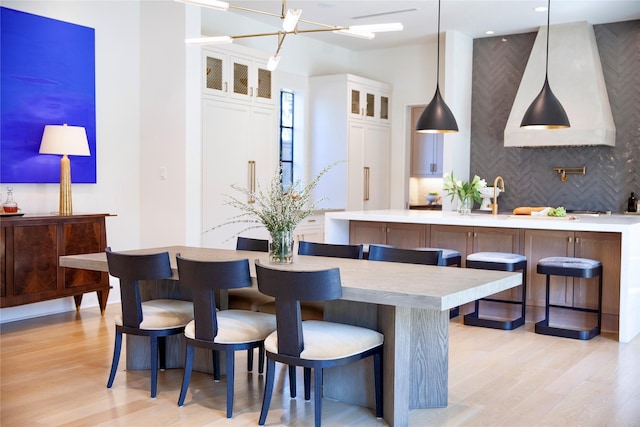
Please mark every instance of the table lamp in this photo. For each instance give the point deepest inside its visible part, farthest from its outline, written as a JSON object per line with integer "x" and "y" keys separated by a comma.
{"x": 65, "y": 140}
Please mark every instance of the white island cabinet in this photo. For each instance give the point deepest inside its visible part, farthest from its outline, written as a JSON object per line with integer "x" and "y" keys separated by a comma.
{"x": 613, "y": 239}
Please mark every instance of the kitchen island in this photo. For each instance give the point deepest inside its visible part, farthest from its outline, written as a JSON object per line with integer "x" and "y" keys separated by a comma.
{"x": 615, "y": 238}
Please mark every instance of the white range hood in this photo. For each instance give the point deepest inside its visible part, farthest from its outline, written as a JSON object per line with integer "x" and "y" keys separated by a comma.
{"x": 575, "y": 77}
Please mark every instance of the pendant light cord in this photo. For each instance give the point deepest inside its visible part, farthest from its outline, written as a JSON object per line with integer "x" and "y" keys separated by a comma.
{"x": 546, "y": 66}
{"x": 438, "y": 58}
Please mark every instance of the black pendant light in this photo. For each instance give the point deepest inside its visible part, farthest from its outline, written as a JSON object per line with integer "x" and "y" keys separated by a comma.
{"x": 545, "y": 112}
{"x": 437, "y": 117}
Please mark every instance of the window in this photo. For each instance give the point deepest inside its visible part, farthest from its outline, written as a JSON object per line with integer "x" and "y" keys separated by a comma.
{"x": 286, "y": 138}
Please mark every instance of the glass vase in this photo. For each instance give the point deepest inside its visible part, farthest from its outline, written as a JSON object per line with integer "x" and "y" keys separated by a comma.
{"x": 464, "y": 208}
{"x": 281, "y": 247}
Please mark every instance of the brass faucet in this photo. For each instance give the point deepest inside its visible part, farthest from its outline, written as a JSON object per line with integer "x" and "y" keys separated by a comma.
{"x": 494, "y": 205}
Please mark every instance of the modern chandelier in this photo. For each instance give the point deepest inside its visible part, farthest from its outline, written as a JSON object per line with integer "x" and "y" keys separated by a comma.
{"x": 290, "y": 19}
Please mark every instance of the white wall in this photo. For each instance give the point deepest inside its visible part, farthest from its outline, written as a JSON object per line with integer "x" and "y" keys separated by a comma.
{"x": 458, "y": 65}
{"x": 117, "y": 191}
{"x": 163, "y": 119}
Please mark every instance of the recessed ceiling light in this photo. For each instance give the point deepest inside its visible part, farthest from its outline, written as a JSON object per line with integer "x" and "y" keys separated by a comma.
{"x": 489, "y": 32}
{"x": 540, "y": 9}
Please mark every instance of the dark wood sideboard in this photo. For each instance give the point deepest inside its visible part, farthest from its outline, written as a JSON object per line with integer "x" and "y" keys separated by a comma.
{"x": 30, "y": 247}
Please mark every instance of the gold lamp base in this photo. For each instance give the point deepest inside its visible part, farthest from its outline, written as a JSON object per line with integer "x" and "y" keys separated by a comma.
{"x": 65, "y": 186}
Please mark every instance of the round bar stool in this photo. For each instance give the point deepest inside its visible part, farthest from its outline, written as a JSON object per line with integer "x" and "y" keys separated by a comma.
{"x": 449, "y": 257}
{"x": 570, "y": 267}
{"x": 500, "y": 261}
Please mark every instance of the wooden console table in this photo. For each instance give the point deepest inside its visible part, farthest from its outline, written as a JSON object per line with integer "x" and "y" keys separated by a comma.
{"x": 30, "y": 247}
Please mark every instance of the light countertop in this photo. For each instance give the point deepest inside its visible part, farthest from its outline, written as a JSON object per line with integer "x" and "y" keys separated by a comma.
{"x": 611, "y": 223}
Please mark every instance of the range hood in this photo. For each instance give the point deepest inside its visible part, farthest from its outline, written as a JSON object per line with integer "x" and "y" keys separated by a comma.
{"x": 575, "y": 76}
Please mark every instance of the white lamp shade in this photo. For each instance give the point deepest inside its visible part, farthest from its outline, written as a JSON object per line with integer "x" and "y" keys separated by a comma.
{"x": 71, "y": 140}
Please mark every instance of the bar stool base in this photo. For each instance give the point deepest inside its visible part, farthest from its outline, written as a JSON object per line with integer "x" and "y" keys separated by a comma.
{"x": 472, "y": 319}
{"x": 543, "y": 328}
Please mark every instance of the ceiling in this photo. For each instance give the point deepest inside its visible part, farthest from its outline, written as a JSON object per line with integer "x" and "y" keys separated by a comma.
{"x": 471, "y": 17}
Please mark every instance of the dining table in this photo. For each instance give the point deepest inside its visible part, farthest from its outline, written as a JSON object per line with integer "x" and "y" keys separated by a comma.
{"x": 408, "y": 303}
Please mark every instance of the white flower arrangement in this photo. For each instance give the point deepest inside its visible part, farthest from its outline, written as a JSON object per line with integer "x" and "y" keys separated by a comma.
{"x": 463, "y": 190}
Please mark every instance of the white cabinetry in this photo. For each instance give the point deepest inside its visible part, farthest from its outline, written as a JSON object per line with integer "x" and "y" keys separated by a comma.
{"x": 311, "y": 229}
{"x": 236, "y": 76}
{"x": 239, "y": 146}
{"x": 351, "y": 122}
{"x": 239, "y": 138}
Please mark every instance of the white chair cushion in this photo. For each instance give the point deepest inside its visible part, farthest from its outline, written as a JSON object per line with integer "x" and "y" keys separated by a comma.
{"x": 569, "y": 262}
{"x": 163, "y": 314}
{"x": 239, "y": 326}
{"x": 501, "y": 257}
{"x": 328, "y": 340}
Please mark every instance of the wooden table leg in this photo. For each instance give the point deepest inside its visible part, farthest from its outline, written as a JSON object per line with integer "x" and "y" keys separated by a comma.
{"x": 415, "y": 359}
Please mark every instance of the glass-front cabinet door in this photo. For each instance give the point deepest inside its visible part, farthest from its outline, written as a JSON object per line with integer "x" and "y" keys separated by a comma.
{"x": 215, "y": 74}
{"x": 384, "y": 108}
{"x": 355, "y": 103}
{"x": 264, "y": 85}
{"x": 371, "y": 106}
{"x": 240, "y": 78}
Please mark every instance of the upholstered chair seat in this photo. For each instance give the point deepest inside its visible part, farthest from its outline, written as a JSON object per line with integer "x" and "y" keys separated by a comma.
{"x": 328, "y": 340}
{"x": 163, "y": 314}
{"x": 238, "y": 326}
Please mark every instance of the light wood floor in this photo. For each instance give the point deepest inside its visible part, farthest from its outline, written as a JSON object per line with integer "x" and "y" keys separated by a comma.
{"x": 54, "y": 371}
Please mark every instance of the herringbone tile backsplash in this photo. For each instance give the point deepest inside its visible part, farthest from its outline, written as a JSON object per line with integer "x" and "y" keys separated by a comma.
{"x": 612, "y": 172}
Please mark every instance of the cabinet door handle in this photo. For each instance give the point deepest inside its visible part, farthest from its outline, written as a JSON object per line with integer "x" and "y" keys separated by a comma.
{"x": 577, "y": 240}
{"x": 367, "y": 174}
{"x": 570, "y": 239}
{"x": 475, "y": 234}
{"x": 252, "y": 180}
{"x": 251, "y": 92}
{"x": 226, "y": 86}
{"x": 469, "y": 234}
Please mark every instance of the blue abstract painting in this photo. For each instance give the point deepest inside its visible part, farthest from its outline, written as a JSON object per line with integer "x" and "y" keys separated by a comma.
{"x": 47, "y": 76}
